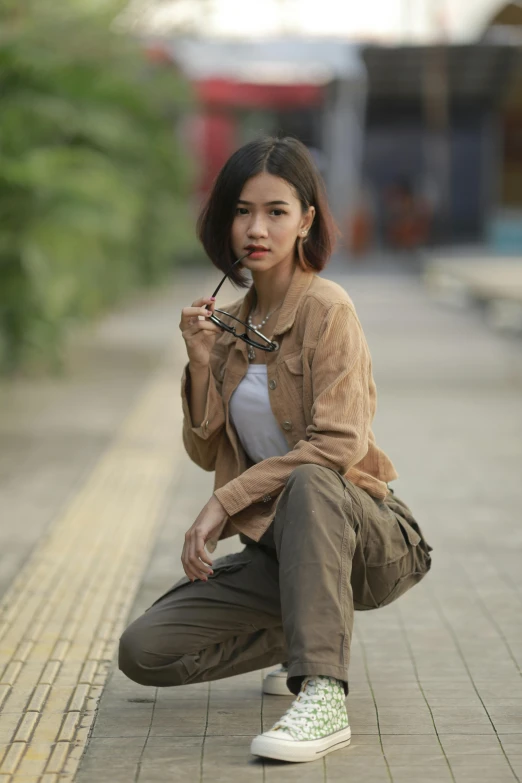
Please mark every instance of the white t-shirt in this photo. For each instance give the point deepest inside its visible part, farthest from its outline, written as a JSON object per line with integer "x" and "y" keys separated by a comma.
{"x": 253, "y": 419}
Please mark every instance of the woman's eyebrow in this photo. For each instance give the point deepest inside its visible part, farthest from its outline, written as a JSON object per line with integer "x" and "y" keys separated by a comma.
{"x": 268, "y": 203}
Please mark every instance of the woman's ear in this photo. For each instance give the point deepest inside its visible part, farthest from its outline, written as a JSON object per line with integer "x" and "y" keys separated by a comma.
{"x": 306, "y": 223}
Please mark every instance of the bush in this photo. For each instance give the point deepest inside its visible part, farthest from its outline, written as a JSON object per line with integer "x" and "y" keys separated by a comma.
{"x": 94, "y": 185}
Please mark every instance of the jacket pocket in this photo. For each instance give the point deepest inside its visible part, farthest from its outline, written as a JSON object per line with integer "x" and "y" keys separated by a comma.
{"x": 294, "y": 364}
{"x": 292, "y": 372}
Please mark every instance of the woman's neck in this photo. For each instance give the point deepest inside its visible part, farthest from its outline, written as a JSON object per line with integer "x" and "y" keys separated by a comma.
{"x": 270, "y": 291}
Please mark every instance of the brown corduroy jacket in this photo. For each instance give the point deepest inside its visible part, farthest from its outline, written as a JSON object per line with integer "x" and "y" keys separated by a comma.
{"x": 322, "y": 394}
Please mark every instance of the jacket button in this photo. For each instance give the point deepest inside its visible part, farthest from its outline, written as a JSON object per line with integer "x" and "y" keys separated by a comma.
{"x": 287, "y": 425}
{"x": 272, "y": 384}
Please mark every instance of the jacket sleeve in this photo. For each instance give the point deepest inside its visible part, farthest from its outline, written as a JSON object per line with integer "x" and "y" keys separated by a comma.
{"x": 338, "y": 435}
{"x": 201, "y": 443}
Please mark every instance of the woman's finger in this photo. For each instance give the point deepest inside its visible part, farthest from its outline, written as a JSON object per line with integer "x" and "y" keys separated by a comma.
{"x": 203, "y": 302}
{"x": 190, "y": 572}
{"x": 200, "y": 326}
{"x": 185, "y": 564}
{"x": 186, "y": 560}
{"x": 202, "y": 553}
{"x": 200, "y": 569}
{"x": 197, "y": 312}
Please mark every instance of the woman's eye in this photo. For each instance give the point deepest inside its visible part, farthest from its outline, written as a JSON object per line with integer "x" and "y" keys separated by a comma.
{"x": 244, "y": 211}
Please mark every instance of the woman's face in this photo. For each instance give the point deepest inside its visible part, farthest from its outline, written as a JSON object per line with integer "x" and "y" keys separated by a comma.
{"x": 269, "y": 216}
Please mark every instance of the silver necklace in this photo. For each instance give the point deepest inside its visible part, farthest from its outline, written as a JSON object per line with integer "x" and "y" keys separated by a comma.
{"x": 251, "y": 352}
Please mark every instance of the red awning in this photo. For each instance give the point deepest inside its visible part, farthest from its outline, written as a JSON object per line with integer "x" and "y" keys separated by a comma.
{"x": 224, "y": 92}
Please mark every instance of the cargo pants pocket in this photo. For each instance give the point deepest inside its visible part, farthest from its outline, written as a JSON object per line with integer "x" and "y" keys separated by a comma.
{"x": 396, "y": 555}
{"x": 226, "y": 564}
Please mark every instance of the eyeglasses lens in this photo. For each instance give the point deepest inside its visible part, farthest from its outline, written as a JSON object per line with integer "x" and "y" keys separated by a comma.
{"x": 237, "y": 327}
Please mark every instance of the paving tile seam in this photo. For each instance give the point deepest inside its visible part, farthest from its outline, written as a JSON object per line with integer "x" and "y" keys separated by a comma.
{"x": 487, "y": 612}
{"x": 362, "y": 648}
{"x": 445, "y": 621}
{"x": 411, "y": 655}
{"x": 66, "y": 609}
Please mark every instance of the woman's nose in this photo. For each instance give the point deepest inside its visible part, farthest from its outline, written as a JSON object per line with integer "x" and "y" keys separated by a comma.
{"x": 257, "y": 228}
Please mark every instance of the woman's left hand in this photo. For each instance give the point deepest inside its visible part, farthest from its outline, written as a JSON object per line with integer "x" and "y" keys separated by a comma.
{"x": 197, "y": 563}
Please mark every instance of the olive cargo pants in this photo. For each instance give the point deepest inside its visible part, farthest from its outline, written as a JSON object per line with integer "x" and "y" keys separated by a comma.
{"x": 331, "y": 548}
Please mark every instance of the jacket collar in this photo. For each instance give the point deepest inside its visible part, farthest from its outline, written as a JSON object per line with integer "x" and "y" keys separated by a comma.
{"x": 301, "y": 281}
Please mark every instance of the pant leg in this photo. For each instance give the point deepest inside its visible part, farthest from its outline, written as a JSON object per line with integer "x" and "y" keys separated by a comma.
{"x": 338, "y": 549}
{"x": 201, "y": 631}
{"x": 315, "y": 537}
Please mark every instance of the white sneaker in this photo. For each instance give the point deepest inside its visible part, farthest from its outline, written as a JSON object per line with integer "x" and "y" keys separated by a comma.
{"x": 275, "y": 682}
{"x": 315, "y": 724}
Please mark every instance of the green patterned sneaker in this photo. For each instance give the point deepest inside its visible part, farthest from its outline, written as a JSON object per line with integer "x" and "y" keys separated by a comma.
{"x": 315, "y": 724}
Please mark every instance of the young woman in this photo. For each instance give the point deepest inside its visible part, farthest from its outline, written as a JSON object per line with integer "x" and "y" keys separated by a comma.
{"x": 278, "y": 399}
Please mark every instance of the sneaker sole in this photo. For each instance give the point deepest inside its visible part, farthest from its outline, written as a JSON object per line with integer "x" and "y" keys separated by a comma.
{"x": 299, "y": 751}
{"x": 275, "y": 686}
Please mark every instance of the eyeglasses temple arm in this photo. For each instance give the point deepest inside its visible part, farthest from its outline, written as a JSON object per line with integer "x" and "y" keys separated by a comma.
{"x": 231, "y": 268}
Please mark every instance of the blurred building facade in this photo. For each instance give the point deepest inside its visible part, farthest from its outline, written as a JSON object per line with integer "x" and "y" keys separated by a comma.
{"x": 311, "y": 89}
{"x": 505, "y": 226}
{"x": 435, "y": 124}
{"x": 419, "y": 143}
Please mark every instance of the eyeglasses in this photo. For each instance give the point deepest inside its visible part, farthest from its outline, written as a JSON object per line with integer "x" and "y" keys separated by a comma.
{"x": 265, "y": 345}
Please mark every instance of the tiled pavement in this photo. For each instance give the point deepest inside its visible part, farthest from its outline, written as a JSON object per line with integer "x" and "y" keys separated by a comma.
{"x": 435, "y": 687}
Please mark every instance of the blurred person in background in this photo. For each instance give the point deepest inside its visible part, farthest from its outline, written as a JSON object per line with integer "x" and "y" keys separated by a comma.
{"x": 278, "y": 399}
{"x": 407, "y": 216}
{"x": 361, "y": 225}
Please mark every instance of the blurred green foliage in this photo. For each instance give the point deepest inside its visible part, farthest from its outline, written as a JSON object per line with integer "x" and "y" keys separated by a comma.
{"x": 94, "y": 184}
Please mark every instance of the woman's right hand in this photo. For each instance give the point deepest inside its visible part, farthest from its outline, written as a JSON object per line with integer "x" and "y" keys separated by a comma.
{"x": 199, "y": 333}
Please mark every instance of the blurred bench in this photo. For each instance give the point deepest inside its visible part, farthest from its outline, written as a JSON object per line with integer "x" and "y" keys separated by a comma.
{"x": 493, "y": 283}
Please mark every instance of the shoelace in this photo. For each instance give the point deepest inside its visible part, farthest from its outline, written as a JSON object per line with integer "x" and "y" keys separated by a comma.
{"x": 298, "y": 714}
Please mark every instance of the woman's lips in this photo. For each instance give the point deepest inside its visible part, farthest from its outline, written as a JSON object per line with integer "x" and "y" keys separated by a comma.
{"x": 258, "y": 253}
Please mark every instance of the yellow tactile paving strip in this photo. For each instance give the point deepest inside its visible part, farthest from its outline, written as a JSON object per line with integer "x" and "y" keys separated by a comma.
{"x": 61, "y": 619}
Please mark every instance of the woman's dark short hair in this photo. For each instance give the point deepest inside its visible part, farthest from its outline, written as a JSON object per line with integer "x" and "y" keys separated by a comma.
{"x": 289, "y": 159}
